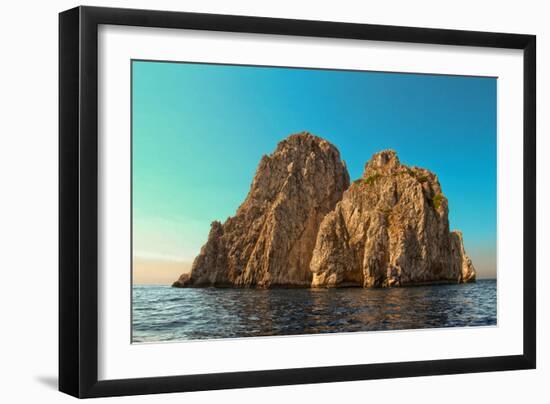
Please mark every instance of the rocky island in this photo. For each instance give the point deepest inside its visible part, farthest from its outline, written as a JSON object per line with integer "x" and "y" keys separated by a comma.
{"x": 303, "y": 225}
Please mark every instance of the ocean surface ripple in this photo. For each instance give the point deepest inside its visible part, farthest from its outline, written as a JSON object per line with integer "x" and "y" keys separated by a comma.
{"x": 162, "y": 313}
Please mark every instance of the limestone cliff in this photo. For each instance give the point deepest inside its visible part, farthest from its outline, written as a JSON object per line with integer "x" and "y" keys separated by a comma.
{"x": 303, "y": 225}
{"x": 269, "y": 242}
{"x": 391, "y": 228}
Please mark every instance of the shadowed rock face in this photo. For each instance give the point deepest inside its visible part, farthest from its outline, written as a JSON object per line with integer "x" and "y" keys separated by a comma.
{"x": 270, "y": 240}
{"x": 391, "y": 228}
{"x": 303, "y": 225}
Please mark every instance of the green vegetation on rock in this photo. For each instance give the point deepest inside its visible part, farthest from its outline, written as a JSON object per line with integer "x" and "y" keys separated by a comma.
{"x": 370, "y": 180}
{"x": 437, "y": 199}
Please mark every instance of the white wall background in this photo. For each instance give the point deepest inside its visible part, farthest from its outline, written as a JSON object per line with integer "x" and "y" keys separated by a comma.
{"x": 28, "y": 198}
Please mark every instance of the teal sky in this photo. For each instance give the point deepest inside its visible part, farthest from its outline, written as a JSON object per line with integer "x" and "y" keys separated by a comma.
{"x": 199, "y": 131}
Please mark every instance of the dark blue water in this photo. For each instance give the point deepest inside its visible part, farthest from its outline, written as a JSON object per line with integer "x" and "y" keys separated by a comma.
{"x": 162, "y": 313}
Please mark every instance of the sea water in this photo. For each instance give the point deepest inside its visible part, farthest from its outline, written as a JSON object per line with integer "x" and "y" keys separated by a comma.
{"x": 163, "y": 313}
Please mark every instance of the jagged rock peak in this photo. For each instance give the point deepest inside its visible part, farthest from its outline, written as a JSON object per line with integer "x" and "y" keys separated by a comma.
{"x": 382, "y": 162}
{"x": 301, "y": 139}
{"x": 391, "y": 228}
{"x": 270, "y": 239}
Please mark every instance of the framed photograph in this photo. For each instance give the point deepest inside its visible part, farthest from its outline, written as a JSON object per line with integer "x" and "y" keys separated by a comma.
{"x": 250, "y": 201}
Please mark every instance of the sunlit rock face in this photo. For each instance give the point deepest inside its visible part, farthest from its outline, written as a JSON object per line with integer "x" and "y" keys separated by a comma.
{"x": 269, "y": 241}
{"x": 391, "y": 228}
{"x": 303, "y": 225}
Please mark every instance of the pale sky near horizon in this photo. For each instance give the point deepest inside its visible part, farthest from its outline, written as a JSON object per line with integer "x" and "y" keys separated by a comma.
{"x": 199, "y": 132}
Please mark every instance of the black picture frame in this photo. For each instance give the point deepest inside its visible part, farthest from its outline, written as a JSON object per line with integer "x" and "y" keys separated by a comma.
{"x": 78, "y": 201}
